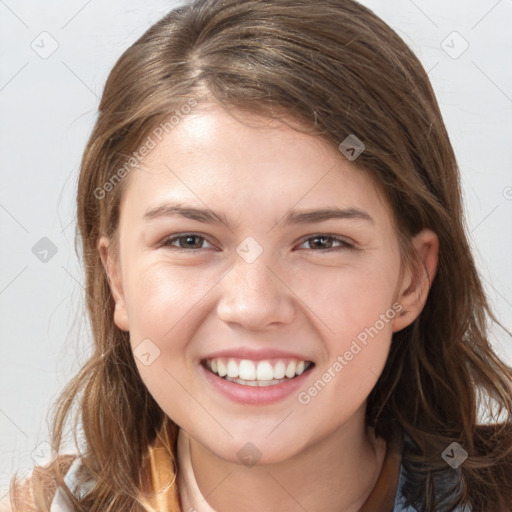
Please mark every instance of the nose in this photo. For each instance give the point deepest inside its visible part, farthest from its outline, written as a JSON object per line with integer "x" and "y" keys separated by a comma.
{"x": 255, "y": 296}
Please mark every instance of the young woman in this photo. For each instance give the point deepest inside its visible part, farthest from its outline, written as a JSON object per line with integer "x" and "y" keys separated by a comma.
{"x": 286, "y": 313}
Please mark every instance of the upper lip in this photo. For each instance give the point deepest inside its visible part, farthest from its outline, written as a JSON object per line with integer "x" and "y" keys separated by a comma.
{"x": 255, "y": 355}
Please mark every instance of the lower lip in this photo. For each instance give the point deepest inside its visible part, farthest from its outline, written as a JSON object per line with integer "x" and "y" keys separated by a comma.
{"x": 253, "y": 395}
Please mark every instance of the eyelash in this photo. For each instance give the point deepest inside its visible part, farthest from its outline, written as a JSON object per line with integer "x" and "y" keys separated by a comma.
{"x": 344, "y": 244}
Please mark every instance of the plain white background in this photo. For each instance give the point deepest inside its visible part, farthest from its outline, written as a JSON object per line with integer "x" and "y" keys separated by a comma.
{"x": 48, "y": 107}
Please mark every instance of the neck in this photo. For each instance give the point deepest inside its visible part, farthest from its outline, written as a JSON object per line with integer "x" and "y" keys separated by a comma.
{"x": 335, "y": 474}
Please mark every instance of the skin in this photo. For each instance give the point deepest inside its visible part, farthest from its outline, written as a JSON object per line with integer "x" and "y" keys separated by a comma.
{"x": 295, "y": 296}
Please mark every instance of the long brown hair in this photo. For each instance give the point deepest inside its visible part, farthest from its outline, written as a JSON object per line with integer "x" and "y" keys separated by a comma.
{"x": 338, "y": 69}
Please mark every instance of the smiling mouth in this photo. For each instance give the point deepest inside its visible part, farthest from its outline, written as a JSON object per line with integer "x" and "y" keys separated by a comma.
{"x": 257, "y": 373}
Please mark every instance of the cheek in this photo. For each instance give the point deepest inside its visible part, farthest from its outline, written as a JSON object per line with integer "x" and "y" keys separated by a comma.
{"x": 162, "y": 304}
{"x": 349, "y": 300}
{"x": 357, "y": 320}
{"x": 355, "y": 309}
{"x": 161, "y": 298}
{"x": 165, "y": 306}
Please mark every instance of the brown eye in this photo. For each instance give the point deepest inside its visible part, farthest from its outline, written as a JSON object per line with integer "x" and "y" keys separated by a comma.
{"x": 185, "y": 242}
{"x": 327, "y": 243}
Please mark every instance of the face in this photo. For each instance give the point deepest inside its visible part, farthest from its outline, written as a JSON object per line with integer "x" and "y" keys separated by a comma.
{"x": 290, "y": 282}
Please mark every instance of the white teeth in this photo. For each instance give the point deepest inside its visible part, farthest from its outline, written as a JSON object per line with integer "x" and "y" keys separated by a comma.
{"x": 265, "y": 371}
{"x": 257, "y": 373}
{"x": 221, "y": 368}
{"x": 257, "y": 383}
{"x": 290, "y": 369}
{"x": 279, "y": 370}
{"x": 232, "y": 368}
{"x": 247, "y": 370}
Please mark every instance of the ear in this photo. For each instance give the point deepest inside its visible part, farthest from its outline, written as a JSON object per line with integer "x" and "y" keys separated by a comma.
{"x": 416, "y": 281}
{"x": 112, "y": 268}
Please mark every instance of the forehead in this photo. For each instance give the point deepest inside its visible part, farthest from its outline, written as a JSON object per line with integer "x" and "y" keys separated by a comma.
{"x": 247, "y": 163}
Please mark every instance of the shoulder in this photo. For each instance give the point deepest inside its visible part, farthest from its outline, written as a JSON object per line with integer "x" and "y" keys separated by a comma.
{"x": 39, "y": 488}
{"x": 484, "y": 480}
{"x": 401, "y": 504}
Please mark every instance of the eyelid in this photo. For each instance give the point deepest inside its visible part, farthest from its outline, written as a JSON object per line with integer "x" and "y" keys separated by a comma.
{"x": 347, "y": 244}
{"x": 175, "y": 236}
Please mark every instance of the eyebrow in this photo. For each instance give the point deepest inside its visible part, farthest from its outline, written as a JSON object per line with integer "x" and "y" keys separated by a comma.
{"x": 209, "y": 216}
